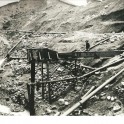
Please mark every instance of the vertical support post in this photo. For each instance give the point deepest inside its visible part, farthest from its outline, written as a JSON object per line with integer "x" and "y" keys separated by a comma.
{"x": 38, "y": 85}
{"x": 42, "y": 80}
{"x": 75, "y": 67}
{"x": 28, "y": 89}
{"x": 32, "y": 88}
{"x": 49, "y": 89}
{"x": 75, "y": 73}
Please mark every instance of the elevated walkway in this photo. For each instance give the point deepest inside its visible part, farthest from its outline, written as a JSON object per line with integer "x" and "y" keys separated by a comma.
{"x": 45, "y": 54}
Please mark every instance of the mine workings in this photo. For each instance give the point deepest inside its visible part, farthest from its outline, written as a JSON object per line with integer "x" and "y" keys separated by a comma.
{"x": 69, "y": 79}
{"x": 44, "y": 66}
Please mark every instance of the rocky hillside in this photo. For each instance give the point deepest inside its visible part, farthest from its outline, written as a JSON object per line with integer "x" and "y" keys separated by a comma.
{"x": 21, "y": 6}
{"x": 8, "y": 11}
{"x": 80, "y": 23}
{"x": 92, "y": 22}
{"x": 101, "y": 17}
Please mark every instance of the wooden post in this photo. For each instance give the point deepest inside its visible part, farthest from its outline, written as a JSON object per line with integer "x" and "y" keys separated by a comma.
{"x": 42, "y": 80}
{"x": 75, "y": 67}
{"x": 49, "y": 89}
{"x": 32, "y": 89}
{"x": 28, "y": 89}
{"x": 75, "y": 80}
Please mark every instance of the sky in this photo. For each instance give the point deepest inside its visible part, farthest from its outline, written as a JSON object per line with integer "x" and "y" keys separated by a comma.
{"x": 4, "y": 2}
{"x": 76, "y": 2}
{"x": 73, "y": 2}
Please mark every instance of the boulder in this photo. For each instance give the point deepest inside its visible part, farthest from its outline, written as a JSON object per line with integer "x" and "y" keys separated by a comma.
{"x": 108, "y": 97}
{"x": 1, "y": 70}
{"x": 20, "y": 61}
{"x": 20, "y": 83}
{"x": 61, "y": 101}
{"x": 102, "y": 94}
{"x": 66, "y": 103}
{"x": 107, "y": 86}
{"x": 78, "y": 88}
{"x": 116, "y": 108}
{"x": 122, "y": 83}
{"x": 48, "y": 111}
{"x": 112, "y": 99}
{"x": 97, "y": 73}
{"x": 60, "y": 69}
{"x": 85, "y": 111}
{"x": 54, "y": 107}
{"x": 57, "y": 114}
{"x": 103, "y": 97}
{"x": 122, "y": 55}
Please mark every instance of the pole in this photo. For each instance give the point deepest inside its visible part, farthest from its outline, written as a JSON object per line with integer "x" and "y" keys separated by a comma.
{"x": 49, "y": 89}
{"x": 42, "y": 80}
{"x": 91, "y": 94}
{"x": 28, "y": 89}
{"x": 90, "y": 90}
{"x": 32, "y": 90}
{"x": 15, "y": 46}
{"x": 75, "y": 74}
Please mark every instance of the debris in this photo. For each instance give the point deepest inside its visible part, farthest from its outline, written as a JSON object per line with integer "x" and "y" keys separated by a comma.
{"x": 95, "y": 97}
{"x": 103, "y": 98}
{"x": 57, "y": 114}
{"x": 48, "y": 111}
{"x": 122, "y": 55}
{"x": 90, "y": 113}
{"x": 75, "y": 112}
{"x": 108, "y": 97}
{"x": 20, "y": 61}
{"x": 80, "y": 111}
{"x": 115, "y": 98}
{"x": 106, "y": 6}
{"x": 116, "y": 108}
{"x": 85, "y": 111}
{"x": 1, "y": 70}
{"x": 110, "y": 106}
{"x": 66, "y": 103}
{"x": 122, "y": 83}
{"x": 102, "y": 94}
{"x": 78, "y": 88}
{"x": 97, "y": 73}
{"x": 16, "y": 108}
{"x": 20, "y": 83}
{"x": 54, "y": 107}
{"x": 107, "y": 86}
{"x": 60, "y": 69}
{"x": 61, "y": 101}
{"x": 112, "y": 99}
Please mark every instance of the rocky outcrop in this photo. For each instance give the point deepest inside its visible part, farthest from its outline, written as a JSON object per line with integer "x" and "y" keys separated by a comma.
{"x": 22, "y": 6}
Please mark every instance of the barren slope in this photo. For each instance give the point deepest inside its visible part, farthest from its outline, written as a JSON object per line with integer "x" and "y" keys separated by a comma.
{"x": 60, "y": 17}
{"x": 95, "y": 18}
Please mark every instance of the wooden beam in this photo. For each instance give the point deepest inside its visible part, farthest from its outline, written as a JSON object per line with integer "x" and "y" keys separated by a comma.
{"x": 101, "y": 41}
{"x": 15, "y": 46}
{"x": 91, "y": 94}
{"x": 42, "y": 80}
{"x": 86, "y": 75}
{"x": 32, "y": 90}
{"x": 89, "y": 91}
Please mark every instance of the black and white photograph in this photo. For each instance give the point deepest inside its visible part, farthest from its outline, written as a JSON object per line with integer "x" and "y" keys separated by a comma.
{"x": 62, "y": 58}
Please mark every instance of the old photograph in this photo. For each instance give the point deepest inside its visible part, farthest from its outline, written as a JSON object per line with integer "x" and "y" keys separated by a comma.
{"x": 62, "y": 58}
